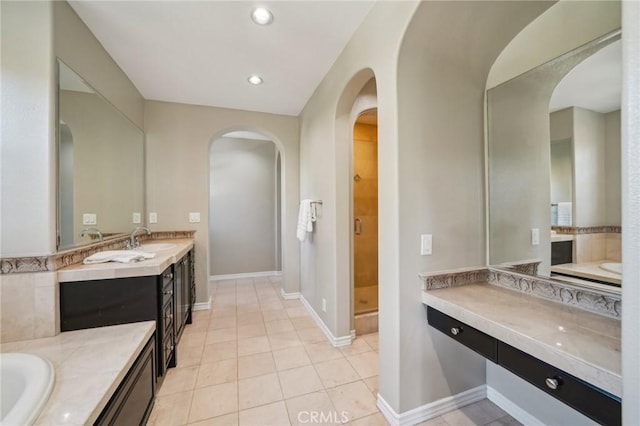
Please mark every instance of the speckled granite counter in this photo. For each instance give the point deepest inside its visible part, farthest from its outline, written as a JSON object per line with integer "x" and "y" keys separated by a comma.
{"x": 89, "y": 366}
{"x": 581, "y": 343}
{"x": 149, "y": 267}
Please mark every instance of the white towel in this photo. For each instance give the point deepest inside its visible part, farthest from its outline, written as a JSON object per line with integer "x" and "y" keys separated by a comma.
{"x": 564, "y": 214}
{"x": 121, "y": 256}
{"x": 305, "y": 222}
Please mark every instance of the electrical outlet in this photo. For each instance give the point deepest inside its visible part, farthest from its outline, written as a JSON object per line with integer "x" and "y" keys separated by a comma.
{"x": 426, "y": 241}
{"x": 136, "y": 218}
{"x": 153, "y": 217}
{"x": 324, "y": 305}
{"x": 535, "y": 236}
{"x": 194, "y": 217}
{"x": 89, "y": 219}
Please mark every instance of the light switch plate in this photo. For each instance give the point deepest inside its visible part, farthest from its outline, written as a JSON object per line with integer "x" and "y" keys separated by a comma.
{"x": 153, "y": 217}
{"x": 426, "y": 241}
{"x": 194, "y": 217}
{"x": 535, "y": 236}
{"x": 324, "y": 305}
{"x": 136, "y": 218}
{"x": 89, "y": 219}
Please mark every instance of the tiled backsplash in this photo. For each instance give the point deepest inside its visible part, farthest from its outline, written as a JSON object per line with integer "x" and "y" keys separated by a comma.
{"x": 29, "y": 288}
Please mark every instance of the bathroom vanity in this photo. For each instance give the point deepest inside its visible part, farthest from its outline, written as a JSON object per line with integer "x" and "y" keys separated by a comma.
{"x": 569, "y": 353}
{"x": 161, "y": 289}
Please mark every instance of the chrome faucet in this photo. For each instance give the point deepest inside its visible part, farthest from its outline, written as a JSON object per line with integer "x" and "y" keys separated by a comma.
{"x": 133, "y": 240}
{"x": 90, "y": 231}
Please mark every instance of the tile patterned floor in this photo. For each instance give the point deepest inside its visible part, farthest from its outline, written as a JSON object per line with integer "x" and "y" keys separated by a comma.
{"x": 257, "y": 360}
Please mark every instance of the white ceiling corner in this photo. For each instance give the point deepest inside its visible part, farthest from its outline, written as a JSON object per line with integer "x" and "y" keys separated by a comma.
{"x": 202, "y": 52}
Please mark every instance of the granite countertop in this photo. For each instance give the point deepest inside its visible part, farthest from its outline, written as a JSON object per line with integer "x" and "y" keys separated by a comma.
{"x": 581, "y": 343}
{"x": 109, "y": 270}
{"x": 89, "y": 366}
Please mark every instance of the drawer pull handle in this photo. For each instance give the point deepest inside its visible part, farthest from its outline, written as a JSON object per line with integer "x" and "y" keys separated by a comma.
{"x": 456, "y": 330}
{"x": 168, "y": 292}
{"x": 168, "y": 276}
{"x": 552, "y": 383}
{"x": 169, "y": 317}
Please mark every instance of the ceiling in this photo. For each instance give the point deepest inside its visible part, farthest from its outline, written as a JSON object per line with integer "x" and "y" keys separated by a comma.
{"x": 595, "y": 83}
{"x": 202, "y": 52}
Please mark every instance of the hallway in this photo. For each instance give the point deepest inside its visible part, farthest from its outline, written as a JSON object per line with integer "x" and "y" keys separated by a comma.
{"x": 255, "y": 359}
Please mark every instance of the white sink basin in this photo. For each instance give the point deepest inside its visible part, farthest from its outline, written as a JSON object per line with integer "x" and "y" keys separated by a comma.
{"x": 612, "y": 267}
{"x": 26, "y": 383}
{"x": 155, "y": 247}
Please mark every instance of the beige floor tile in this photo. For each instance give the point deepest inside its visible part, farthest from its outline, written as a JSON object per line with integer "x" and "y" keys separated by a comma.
{"x": 274, "y": 315}
{"x": 372, "y": 340}
{"x": 222, "y": 322}
{"x": 179, "y": 380}
{"x": 314, "y": 408}
{"x": 253, "y": 345}
{"x": 355, "y": 399}
{"x": 197, "y": 327}
{"x": 250, "y": 318}
{"x": 220, "y": 335}
{"x": 214, "y": 401}
{"x": 222, "y": 312}
{"x": 292, "y": 303}
{"x": 215, "y": 373}
{"x": 259, "y": 390}
{"x": 219, "y": 351}
{"x": 188, "y": 356}
{"x": 358, "y": 346}
{"x": 372, "y": 420}
{"x": 251, "y": 330}
{"x": 253, "y": 308}
{"x": 372, "y": 384}
{"x": 193, "y": 339}
{"x": 288, "y": 339}
{"x": 312, "y": 335}
{"x": 300, "y": 312}
{"x": 323, "y": 351}
{"x": 438, "y": 421}
{"x": 469, "y": 415}
{"x": 366, "y": 364}
{"x": 300, "y": 323}
{"x": 267, "y": 415}
{"x": 505, "y": 421}
{"x": 286, "y": 359}
{"x": 299, "y": 381}
{"x": 255, "y": 365}
{"x": 336, "y": 372}
{"x": 279, "y": 326}
{"x": 271, "y": 305}
{"x": 171, "y": 409}
{"x": 491, "y": 409}
{"x": 226, "y": 420}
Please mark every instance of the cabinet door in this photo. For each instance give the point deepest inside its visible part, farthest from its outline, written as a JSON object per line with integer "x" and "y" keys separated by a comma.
{"x": 179, "y": 297}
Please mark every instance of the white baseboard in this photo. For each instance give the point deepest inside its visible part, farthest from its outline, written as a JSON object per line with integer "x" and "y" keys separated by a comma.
{"x": 246, "y": 275}
{"x": 289, "y": 296}
{"x": 203, "y": 306}
{"x": 433, "y": 409}
{"x": 335, "y": 341}
{"x": 514, "y": 410}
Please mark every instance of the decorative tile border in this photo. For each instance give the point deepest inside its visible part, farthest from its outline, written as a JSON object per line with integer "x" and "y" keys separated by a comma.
{"x": 599, "y": 302}
{"x": 62, "y": 259}
{"x": 529, "y": 267}
{"x": 453, "y": 278}
{"x": 575, "y": 230}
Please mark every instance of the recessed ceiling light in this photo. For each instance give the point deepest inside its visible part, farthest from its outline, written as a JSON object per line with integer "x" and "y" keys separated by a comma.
{"x": 255, "y": 79}
{"x": 261, "y": 16}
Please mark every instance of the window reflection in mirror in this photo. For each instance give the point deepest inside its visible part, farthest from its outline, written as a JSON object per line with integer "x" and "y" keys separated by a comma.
{"x": 100, "y": 164}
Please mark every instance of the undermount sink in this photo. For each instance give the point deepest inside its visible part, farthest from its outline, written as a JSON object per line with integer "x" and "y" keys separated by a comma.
{"x": 155, "y": 247}
{"x": 612, "y": 267}
{"x": 27, "y": 381}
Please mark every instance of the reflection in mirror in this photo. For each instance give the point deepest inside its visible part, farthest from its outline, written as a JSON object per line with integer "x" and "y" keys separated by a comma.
{"x": 554, "y": 167}
{"x": 100, "y": 164}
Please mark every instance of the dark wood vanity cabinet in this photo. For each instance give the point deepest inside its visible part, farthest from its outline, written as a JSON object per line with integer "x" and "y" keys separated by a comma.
{"x": 589, "y": 400}
{"x": 166, "y": 298}
{"x": 132, "y": 402}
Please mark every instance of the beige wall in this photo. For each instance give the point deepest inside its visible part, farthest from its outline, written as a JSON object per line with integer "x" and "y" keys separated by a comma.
{"x": 613, "y": 168}
{"x": 179, "y": 137}
{"x": 242, "y": 206}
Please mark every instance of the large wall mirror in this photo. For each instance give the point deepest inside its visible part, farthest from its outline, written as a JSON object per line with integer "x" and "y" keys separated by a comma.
{"x": 100, "y": 165}
{"x": 554, "y": 167}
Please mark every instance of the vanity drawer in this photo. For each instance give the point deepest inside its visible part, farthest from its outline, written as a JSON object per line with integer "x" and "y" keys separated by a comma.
{"x": 167, "y": 317}
{"x": 168, "y": 350}
{"x": 167, "y": 277}
{"x": 167, "y": 293}
{"x": 594, "y": 403}
{"x": 483, "y": 344}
